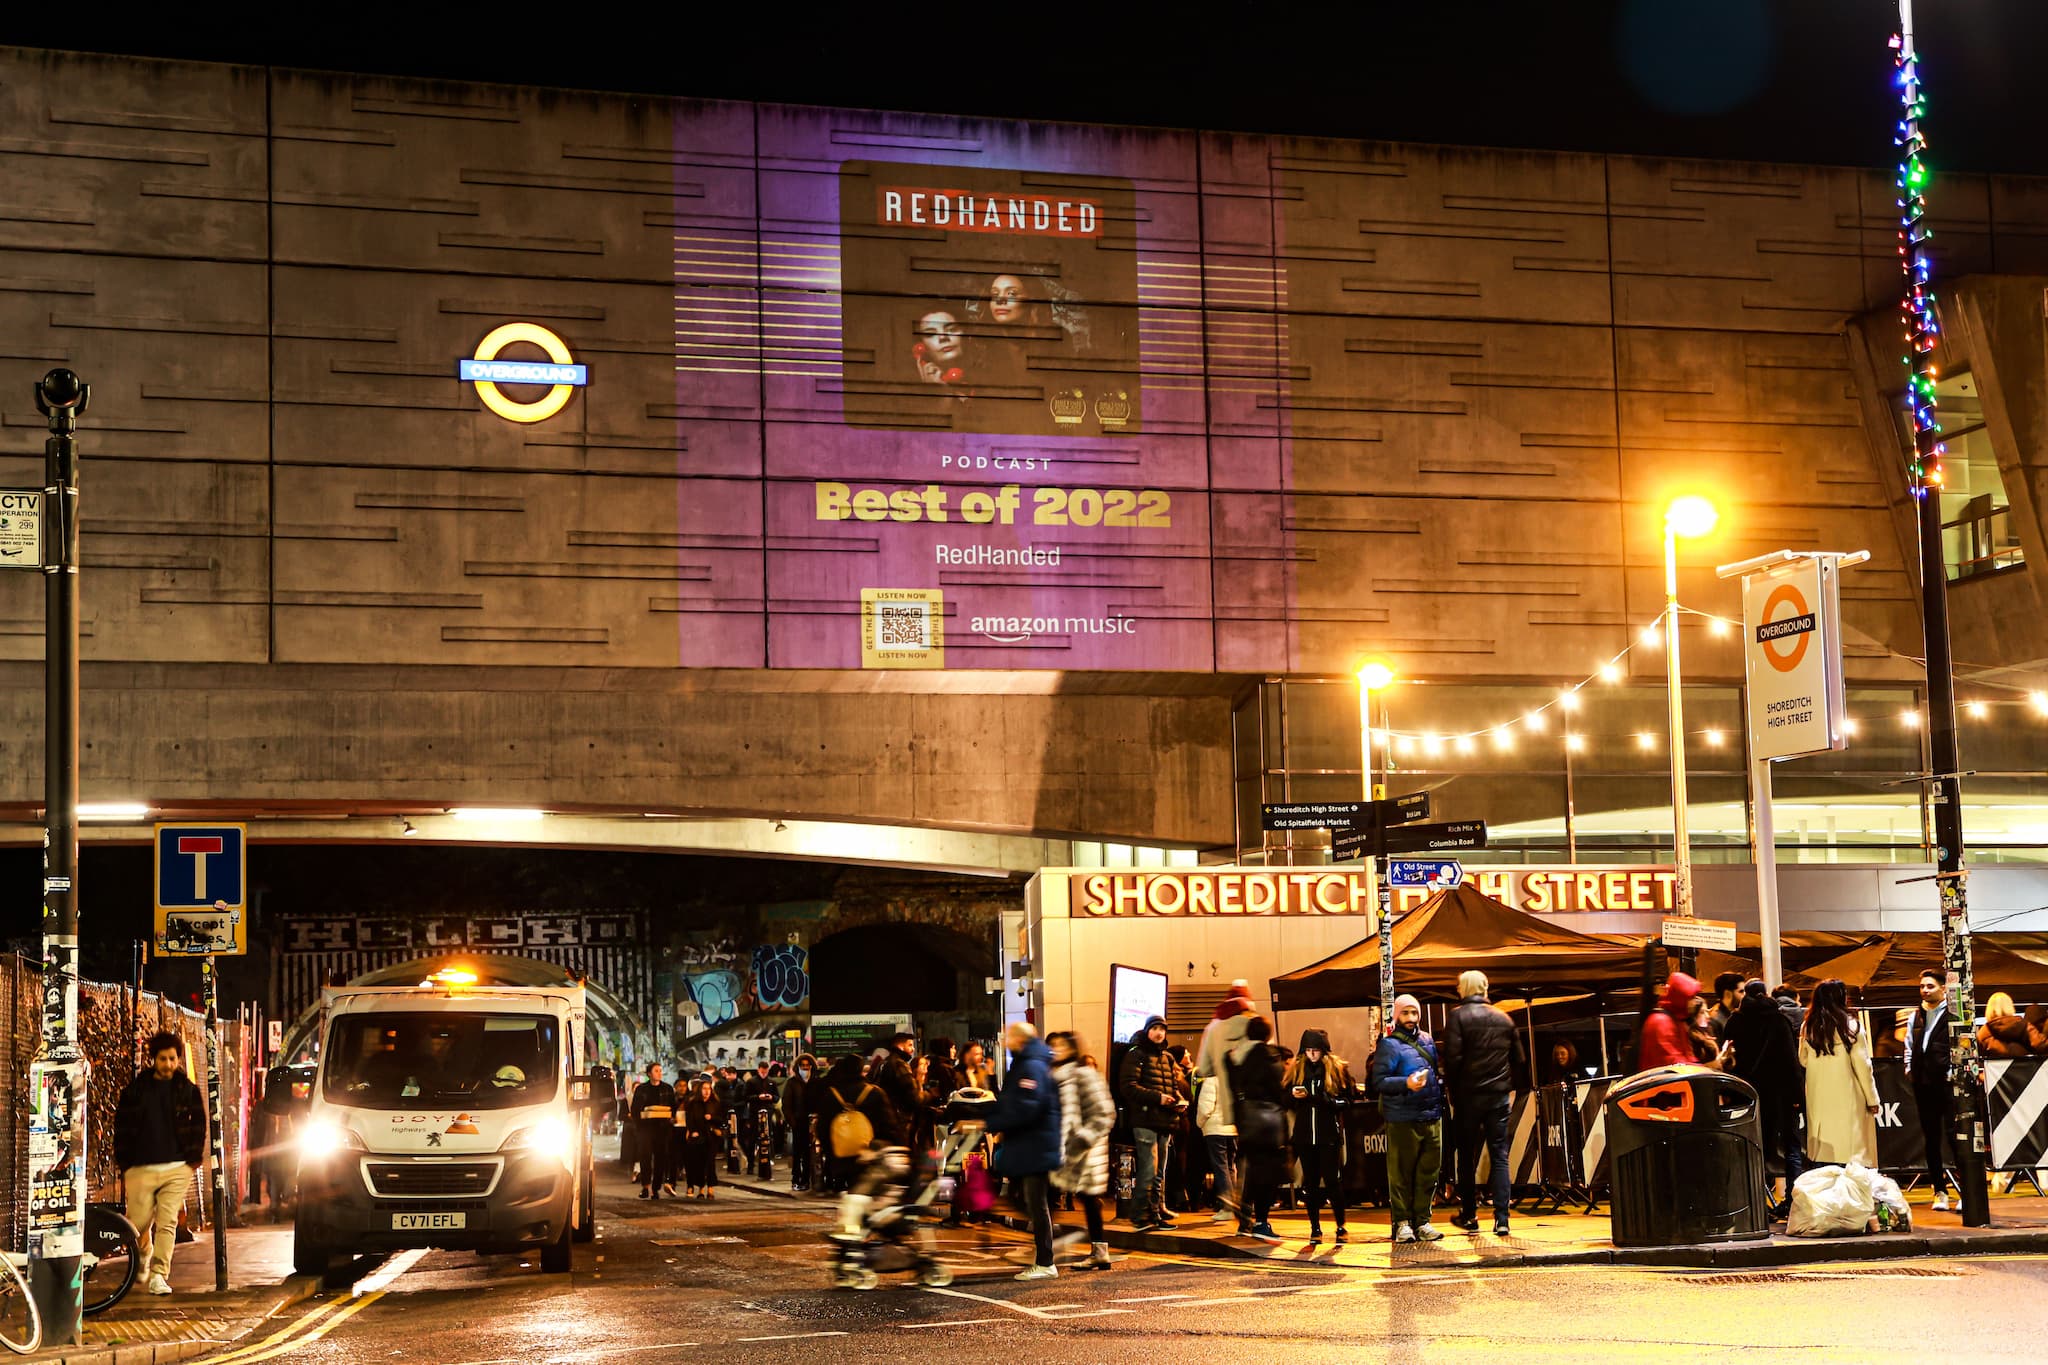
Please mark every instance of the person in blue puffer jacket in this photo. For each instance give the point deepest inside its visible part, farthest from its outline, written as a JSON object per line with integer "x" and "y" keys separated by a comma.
{"x": 1411, "y": 1094}
{"x": 1027, "y": 1114}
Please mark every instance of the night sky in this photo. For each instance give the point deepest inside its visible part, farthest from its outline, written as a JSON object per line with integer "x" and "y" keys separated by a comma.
{"x": 1781, "y": 80}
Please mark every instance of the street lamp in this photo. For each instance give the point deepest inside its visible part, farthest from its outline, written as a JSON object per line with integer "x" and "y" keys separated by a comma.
{"x": 1377, "y": 677}
{"x": 1691, "y": 518}
{"x": 1372, "y": 677}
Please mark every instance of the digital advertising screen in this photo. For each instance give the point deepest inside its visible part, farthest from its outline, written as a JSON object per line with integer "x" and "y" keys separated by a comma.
{"x": 975, "y": 367}
{"x": 1135, "y": 995}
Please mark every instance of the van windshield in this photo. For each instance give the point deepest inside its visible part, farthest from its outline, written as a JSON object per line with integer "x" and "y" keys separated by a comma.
{"x": 475, "y": 1061}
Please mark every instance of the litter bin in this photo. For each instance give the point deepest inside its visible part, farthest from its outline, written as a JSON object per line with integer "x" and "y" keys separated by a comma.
{"x": 1686, "y": 1159}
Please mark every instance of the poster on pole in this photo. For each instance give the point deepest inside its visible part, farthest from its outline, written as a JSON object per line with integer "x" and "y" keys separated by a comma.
{"x": 1792, "y": 658}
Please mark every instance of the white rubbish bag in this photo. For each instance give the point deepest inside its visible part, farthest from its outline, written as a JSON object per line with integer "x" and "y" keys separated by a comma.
{"x": 1886, "y": 1193}
{"x": 1832, "y": 1201}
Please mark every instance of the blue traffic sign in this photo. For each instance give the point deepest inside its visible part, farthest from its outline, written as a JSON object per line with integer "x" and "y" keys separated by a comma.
{"x": 201, "y": 889}
{"x": 1442, "y": 873}
{"x": 200, "y": 865}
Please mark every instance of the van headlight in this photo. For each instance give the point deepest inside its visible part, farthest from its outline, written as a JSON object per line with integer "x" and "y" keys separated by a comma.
{"x": 323, "y": 1138}
{"x": 551, "y": 1137}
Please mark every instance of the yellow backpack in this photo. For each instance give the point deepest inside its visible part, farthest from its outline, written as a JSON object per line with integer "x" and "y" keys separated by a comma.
{"x": 851, "y": 1133}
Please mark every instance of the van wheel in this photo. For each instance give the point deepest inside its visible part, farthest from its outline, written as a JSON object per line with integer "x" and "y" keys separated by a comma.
{"x": 586, "y": 1210}
{"x": 310, "y": 1257}
{"x": 554, "y": 1257}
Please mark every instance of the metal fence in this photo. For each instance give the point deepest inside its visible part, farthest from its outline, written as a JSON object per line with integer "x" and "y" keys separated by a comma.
{"x": 114, "y": 1022}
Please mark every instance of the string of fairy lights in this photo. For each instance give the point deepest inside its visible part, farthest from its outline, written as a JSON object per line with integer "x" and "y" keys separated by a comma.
{"x": 1916, "y": 305}
{"x": 1922, "y": 329}
{"x": 1506, "y": 735}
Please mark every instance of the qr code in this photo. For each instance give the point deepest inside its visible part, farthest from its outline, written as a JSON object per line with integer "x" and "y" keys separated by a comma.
{"x": 903, "y": 625}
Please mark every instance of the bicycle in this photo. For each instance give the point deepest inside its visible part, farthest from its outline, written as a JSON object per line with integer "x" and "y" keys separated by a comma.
{"x": 107, "y": 1270}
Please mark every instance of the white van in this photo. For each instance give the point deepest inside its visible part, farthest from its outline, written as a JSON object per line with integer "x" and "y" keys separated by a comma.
{"x": 446, "y": 1115}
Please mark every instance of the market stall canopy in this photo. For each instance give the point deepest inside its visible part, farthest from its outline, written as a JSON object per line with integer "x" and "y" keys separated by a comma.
{"x": 1452, "y": 932}
{"x": 1885, "y": 968}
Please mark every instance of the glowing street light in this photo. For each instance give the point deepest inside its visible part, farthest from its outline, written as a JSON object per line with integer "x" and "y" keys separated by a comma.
{"x": 1373, "y": 676}
{"x": 1688, "y": 518}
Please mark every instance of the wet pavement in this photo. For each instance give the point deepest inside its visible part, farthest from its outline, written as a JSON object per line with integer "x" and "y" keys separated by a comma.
{"x": 747, "y": 1278}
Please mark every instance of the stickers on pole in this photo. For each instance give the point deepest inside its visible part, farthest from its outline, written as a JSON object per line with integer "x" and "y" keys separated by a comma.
{"x": 1792, "y": 657}
{"x": 21, "y": 528}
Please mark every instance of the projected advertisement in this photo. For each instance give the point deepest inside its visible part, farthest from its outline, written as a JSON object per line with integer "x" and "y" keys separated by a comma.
{"x": 979, "y": 376}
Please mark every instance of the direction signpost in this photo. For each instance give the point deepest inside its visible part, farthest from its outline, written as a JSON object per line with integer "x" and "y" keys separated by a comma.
{"x": 1379, "y": 829}
{"x": 1440, "y": 874}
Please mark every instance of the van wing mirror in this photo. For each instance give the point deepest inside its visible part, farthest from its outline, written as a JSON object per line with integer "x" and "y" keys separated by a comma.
{"x": 287, "y": 1090}
{"x": 594, "y": 1091}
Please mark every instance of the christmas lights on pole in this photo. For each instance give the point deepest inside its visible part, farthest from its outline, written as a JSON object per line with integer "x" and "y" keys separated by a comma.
{"x": 1942, "y": 782}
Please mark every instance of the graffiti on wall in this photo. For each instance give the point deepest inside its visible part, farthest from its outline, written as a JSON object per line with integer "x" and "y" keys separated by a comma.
{"x": 713, "y": 998}
{"x": 782, "y": 979}
{"x": 731, "y": 998}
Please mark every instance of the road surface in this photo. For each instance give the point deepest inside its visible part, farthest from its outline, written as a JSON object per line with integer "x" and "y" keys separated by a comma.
{"x": 744, "y": 1279}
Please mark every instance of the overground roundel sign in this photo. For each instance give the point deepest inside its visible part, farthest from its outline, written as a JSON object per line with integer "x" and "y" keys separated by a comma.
{"x": 1771, "y": 635}
{"x": 559, "y": 371}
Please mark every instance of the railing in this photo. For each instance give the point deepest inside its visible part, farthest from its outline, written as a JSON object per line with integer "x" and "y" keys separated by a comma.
{"x": 1980, "y": 542}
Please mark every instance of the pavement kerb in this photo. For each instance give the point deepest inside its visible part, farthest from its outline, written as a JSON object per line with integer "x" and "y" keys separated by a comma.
{"x": 297, "y": 1289}
{"x": 1726, "y": 1255}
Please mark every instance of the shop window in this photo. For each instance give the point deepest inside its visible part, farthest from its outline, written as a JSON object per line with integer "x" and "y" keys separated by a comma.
{"x": 1978, "y": 535}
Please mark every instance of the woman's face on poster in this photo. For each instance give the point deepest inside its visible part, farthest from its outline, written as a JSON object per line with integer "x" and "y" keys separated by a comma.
{"x": 940, "y": 333}
{"x": 1006, "y": 300}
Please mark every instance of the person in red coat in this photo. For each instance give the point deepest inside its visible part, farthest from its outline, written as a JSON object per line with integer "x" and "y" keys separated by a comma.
{"x": 1667, "y": 1037}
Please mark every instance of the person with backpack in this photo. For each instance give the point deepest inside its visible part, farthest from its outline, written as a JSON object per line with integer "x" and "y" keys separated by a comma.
{"x": 1087, "y": 1114}
{"x": 852, "y": 1114}
{"x": 1027, "y": 1116}
{"x": 1408, "y": 1080}
{"x": 1255, "y": 1074}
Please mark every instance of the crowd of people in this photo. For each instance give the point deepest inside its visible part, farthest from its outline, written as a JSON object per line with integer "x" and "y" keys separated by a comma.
{"x": 1812, "y": 1065}
{"x": 1239, "y": 1124}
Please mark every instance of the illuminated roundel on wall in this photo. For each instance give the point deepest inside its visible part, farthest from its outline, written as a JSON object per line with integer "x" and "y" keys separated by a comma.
{"x": 559, "y": 372}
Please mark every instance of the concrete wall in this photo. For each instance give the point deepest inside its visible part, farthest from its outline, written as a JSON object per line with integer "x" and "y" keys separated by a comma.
{"x": 316, "y": 569}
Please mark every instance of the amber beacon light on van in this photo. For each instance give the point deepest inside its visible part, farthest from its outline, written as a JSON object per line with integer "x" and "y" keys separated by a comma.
{"x": 559, "y": 372}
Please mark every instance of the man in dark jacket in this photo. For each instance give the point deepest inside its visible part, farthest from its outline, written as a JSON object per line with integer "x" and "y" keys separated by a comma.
{"x": 1148, "y": 1086}
{"x": 796, "y": 1112}
{"x": 1405, "y": 1075}
{"x": 941, "y": 1079}
{"x": 1482, "y": 1056}
{"x": 759, "y": 1094}
{"x": 1928, "y": 1047}
{"x": 159, "y": 1141}
{"x": 1027, "y": 1114}
{"x": 654, "y": 1121}
{"x": 1767, "y": 1056}
{"x": 898, "y": 1083}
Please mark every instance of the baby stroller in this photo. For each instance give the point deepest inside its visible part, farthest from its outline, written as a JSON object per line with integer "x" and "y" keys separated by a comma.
{"x": 886, "y": 1215}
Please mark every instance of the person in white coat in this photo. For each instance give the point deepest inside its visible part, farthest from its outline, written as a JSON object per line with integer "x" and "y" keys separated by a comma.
{"x": 1223, "y": 1036}
{"x": 1220, "y": 1137}
{"x": 1087, "y": 1114}
{"x": 1841, "y": 1089}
